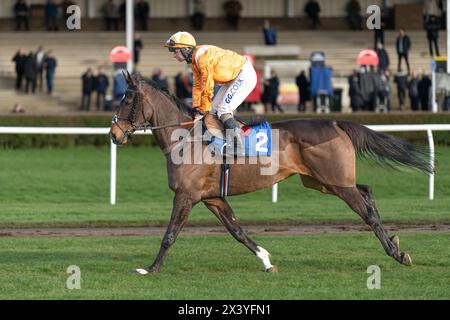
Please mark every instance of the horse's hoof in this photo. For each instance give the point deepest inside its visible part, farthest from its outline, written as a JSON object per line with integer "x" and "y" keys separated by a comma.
{"x": 146, "y": 271}
{"x": 396, "y": 241}
{"x": 142, "y": 271}
{"x": 406, "y": 259}
{"x": 272, "y": 269}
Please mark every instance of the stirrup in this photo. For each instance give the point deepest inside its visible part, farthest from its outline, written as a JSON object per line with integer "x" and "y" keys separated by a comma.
{"x": 235, "y": 141}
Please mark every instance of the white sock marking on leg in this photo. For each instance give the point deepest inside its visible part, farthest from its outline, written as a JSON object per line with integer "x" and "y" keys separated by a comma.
{"x": 142, "y": 271}
{"x": 263, "y": 254}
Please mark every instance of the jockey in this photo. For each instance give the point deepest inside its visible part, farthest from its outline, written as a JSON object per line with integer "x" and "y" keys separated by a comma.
{"x": 213, "y": 65}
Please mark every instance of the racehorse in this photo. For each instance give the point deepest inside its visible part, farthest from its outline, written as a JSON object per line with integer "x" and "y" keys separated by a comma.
{"x": 322, "y": 152}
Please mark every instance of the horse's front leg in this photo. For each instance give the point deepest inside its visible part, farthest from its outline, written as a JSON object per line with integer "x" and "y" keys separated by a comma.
{"x": 182, "y": 206}
{"x": 223, "y": 211}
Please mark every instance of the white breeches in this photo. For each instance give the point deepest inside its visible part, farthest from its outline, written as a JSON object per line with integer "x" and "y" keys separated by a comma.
{"x": 233, "y": 93}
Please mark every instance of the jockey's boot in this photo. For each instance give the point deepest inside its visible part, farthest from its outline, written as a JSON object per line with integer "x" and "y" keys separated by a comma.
{"x": 234, "y": 138}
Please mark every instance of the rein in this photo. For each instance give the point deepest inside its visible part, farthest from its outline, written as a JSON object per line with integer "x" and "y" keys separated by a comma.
{"x": 132, "y": 117}
{"x": 187, "y": 123}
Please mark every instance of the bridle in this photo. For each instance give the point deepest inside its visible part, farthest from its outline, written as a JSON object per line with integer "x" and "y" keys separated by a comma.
{"x": 137, "y": 100}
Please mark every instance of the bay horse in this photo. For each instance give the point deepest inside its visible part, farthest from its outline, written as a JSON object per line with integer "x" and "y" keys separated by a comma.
{"x": 322, "y": 152}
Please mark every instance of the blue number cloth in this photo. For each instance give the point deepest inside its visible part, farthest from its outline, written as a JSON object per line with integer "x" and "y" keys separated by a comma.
{"x": 257, "y": 140}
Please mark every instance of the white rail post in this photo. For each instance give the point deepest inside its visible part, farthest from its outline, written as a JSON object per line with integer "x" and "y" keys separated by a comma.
{"x": 275, "y": 193}
{"x": 113, "y": 174}
{"x": 130, "y": 33}
{"x": 431, "y": 180}
{"x": 434, "y": 105}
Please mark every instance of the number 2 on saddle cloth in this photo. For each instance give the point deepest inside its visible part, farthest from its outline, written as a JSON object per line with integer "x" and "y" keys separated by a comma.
{"x": 257, "y": 140}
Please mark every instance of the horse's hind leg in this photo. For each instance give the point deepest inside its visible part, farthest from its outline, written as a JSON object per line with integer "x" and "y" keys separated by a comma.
{"x": 360, "y": 199}
{"x": 366, "y": 192}
{"x": 223, "y": 211}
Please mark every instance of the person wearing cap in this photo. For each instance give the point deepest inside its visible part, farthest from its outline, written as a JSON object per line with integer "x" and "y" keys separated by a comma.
{"x": 213, "y": 65}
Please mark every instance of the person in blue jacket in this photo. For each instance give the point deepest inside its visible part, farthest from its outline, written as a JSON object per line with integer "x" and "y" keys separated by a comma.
{"x": 270, "y": 34}
{"x": 101, "y": 85}
{"x": 50, "y": 67}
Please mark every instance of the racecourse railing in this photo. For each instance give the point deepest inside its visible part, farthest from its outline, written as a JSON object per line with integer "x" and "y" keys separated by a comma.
{"x": 429, "y": 128}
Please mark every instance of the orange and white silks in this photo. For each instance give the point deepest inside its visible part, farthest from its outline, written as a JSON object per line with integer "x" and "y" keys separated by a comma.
{"x": 233, "y": 72}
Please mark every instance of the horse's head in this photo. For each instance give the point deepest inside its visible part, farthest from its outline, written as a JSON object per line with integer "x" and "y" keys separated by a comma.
{"x": 132, "y": 113}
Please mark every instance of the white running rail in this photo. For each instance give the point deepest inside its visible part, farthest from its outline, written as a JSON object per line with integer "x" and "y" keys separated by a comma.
{"x": 429, "y": 128}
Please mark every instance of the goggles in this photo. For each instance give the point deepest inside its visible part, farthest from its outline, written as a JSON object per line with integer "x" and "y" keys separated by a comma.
{"x": 170, "y": 45}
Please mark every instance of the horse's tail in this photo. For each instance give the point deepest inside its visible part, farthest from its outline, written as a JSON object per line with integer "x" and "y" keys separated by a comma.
{"x": 386, "y": 149}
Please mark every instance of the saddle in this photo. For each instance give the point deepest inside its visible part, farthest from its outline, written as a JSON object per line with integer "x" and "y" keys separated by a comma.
{"x": 212, "y": 124}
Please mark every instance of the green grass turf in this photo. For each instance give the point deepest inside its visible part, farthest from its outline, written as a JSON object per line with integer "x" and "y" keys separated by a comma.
{"x": 218, "y": 267}
{"x": 71, "y": 187}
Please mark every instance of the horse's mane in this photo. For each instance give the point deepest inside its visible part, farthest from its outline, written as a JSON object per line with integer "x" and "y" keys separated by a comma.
{"x": 181, "y": 105}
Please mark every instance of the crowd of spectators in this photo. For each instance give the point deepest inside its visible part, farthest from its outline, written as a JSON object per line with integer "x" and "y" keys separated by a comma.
{"x": 115, "y": 15}
{"x": 52, "y": 10}
{"x": 112, "y": 14}
{"x": 94, "y": 83}
{"x": 31, "y": 67}
{"x": 410, "y": 83}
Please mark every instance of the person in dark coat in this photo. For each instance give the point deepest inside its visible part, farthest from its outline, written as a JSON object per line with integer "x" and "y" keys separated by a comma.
{"x": 303, "y": 91}
{"x": 424, "y": 86}
{"x": 312, "y": 10}
{"x": 111, "y": 15}
{"x": 19, "y": 59}
{"x": 413, "y": 90}
{"x": 432, "y": 27}
{"x": 51, "y": 15}
{"x": 142, "y": 13}
{"x": 356, "y": 98}
{"x": 378, "y": 33}
{"x": 50, "y": 68}
{"x": 180, "y": 90}
{"x": 274, "y": 91}
{"x": 198, "y": 16}
{"x": 378, "y": 37}
{"x": 101, "y": 85}
{"x": 137, "y": 45}
{"x": 383, "y": 58}
{"x": 30, "y": 73}
{"x": 354, "y": 17}
{"x": 160, "y": 79}
{"x": 123, "y": 14}
{"x": 369, "y": 82}
{"x": 232, "y": 10}
{"x": 403, "y": 45}
{"x": 401, "y": 80}
{"x": 384, "y": 90}
{"x": 21, "y": 14}
{"x": 87, "y": 80}
{"x": 265, "y": 96}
